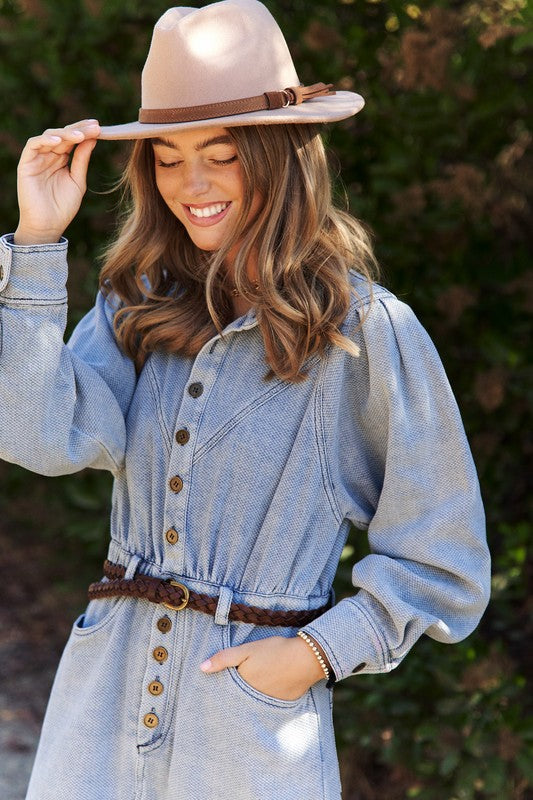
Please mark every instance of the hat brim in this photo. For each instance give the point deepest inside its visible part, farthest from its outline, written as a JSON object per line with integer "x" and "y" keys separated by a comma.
{"x": 330, "y": 108}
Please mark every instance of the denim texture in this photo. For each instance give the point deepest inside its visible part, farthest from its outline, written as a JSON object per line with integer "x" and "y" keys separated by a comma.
{"x": 273, "y": 476}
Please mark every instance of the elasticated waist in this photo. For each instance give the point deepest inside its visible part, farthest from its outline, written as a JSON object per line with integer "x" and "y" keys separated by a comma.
{"x": 176, "y": 596}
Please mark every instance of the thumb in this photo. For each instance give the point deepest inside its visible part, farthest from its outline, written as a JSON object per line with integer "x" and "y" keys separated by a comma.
{"x": 80, "y": 162}
{"x": 229, "y": 657}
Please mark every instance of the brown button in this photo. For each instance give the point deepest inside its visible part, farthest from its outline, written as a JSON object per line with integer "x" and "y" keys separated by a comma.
{"x": 164, "y": 624}
{"x": 1, "y": 273}
{"x": 151, "y": 720}
{"x": 156, "y": 687}
{"x": 176, "y": 484}
{"x": 182, "y": 436}
{"x": 172, "y": 536}
{"x": 196, "y": 389}
{"x": 160, "y": 654}
{"x": 359, "y": 667}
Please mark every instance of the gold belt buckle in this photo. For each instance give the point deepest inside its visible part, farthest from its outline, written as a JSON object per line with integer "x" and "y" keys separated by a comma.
{"x": 183, "y": 602}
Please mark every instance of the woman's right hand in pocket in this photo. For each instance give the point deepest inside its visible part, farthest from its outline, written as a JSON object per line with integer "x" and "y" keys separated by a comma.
{"x": 52, "y": 179}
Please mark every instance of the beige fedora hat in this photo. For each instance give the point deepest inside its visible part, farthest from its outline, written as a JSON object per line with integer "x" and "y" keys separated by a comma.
{"x": 225, "y": 64}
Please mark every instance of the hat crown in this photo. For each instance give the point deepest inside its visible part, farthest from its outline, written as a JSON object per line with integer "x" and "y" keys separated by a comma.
{"x": 225, "y": 51}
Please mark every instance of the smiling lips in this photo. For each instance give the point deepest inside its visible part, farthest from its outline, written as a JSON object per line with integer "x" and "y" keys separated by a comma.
{"x": 208, "y": 211}
{"x": 207, "y": 214}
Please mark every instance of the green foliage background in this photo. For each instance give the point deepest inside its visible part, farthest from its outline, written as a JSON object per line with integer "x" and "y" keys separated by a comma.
{"x": 439, "y": 165}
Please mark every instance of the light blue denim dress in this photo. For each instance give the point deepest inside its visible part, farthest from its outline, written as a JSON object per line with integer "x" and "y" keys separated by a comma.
{"x": 272, "y": 476}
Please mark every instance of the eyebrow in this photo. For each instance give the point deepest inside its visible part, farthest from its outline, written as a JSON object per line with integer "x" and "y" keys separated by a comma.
{"x": 224, "y": 139}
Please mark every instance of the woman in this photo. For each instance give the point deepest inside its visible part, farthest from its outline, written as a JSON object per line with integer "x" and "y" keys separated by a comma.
{"x": 254, "y": 394}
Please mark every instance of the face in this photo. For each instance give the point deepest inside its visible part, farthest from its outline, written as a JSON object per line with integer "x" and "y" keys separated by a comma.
{"x": 199, "y": 177}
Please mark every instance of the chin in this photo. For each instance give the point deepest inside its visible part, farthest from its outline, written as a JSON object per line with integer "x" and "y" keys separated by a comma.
{"x": 207, "y": 248}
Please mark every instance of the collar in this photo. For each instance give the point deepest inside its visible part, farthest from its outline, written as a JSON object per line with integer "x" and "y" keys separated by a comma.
{"x": 248, "y": 320}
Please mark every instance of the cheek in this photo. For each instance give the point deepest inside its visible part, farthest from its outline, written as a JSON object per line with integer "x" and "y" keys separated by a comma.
{"x": 162, "y": 186}
{"x": 166, "y": 182}
{"x": 235, "y": 182}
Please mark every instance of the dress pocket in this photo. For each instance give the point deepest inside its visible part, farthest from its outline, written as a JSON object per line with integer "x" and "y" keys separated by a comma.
{"x": 97, "y": 615}
{"x": 237, "y": 633}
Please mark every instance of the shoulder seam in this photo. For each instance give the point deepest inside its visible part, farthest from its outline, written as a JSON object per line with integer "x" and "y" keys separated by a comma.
{"x": 363, "y": 299}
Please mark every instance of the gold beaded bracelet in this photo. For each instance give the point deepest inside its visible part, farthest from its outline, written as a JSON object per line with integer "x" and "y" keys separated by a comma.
{"x": 316, "y": 651}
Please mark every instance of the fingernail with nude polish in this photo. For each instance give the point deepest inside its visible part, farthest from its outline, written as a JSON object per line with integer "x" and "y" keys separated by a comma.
{"x": 206, "y": 665}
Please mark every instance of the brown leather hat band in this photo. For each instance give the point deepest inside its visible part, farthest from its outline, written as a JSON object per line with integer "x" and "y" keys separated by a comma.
{"x": 267, "y": 101}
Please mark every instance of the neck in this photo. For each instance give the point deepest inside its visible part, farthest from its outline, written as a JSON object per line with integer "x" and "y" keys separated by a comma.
{"x": 239, "y": 304}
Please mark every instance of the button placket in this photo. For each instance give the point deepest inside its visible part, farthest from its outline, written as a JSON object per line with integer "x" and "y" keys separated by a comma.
{"x": 195, "y": 394}
{"x": 162, "y": 655}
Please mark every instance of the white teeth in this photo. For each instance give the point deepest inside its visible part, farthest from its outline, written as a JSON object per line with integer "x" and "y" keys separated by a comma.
{"x": 208, "y": 211}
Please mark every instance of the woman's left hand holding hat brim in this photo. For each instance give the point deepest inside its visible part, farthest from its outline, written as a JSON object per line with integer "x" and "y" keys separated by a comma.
{"x": 51, "y": 184}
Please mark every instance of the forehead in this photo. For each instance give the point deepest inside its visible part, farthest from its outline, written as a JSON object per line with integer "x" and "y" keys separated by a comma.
{"x": 196, "y": 139}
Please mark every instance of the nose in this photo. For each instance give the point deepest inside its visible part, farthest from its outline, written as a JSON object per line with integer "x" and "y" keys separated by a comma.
{"x": 195, "y": 179}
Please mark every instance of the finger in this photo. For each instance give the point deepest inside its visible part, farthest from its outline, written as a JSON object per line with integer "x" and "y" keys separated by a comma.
{"x": 50, "y": 142}
{"x": 62, "y": 140}
{"x": 229, "y": 657}
{"x": 82, "y": 124}
{"x": 46, "y": 139}
{"x": 80, "y": 162}
{"x": 86, "y": 126}
{"x": 71, "y": 136}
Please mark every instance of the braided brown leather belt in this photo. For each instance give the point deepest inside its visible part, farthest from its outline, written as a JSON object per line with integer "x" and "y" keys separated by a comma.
{"x": 176, "y": 596}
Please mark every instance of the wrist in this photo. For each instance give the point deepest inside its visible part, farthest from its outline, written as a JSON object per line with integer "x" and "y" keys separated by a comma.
{"x": 316, "y": 660}
{"x": 25, "y": 238}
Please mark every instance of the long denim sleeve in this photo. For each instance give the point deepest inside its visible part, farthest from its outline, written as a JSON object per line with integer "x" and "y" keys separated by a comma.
{"x": 400, "y": 468}
{"x": 62, "y": 406}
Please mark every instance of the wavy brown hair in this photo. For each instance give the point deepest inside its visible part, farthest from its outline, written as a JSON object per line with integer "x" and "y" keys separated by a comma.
{"x": 175, "y": 297}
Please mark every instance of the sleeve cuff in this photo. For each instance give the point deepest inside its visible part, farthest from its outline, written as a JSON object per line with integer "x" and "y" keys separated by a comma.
{"x": 36, "y": 272}
{"x": 350, "y": 640}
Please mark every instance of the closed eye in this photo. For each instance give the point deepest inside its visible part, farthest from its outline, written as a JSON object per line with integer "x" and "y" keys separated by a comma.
{"x": 225, "y": 161}
{"x": 219, "y": 162}
{"x": 172, "y": 164}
